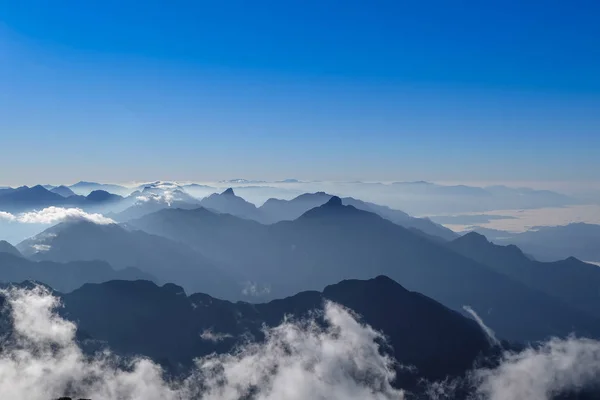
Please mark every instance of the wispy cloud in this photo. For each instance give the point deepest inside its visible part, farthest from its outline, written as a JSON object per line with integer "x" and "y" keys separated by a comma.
{"x": 214, "y": 337}
{"x": 486, "y": 329}
{"x": 52, "y": 215}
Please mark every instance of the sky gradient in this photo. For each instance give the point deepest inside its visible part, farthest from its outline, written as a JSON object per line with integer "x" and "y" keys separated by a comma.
{"x": 339, "y": 90}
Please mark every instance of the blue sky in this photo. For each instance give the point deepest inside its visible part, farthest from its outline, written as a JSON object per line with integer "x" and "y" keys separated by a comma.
{"x": 381, "y": 90}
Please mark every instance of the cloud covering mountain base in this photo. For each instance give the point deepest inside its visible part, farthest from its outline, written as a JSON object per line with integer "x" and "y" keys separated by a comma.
{"x": 41, "y": 360}
{"x": 300, "y": 360}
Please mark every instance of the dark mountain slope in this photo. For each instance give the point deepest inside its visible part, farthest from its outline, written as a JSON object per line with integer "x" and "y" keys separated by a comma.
{"x": 422, "y": 333}
{"x": 571, "y": 280}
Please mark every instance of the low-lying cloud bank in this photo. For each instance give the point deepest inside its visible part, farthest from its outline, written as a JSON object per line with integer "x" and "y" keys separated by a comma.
{"x": 52, "y": 215}
{"x": 298, "y": 361}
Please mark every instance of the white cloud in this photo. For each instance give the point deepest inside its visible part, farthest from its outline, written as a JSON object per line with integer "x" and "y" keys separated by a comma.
{"x": 538, "y": 374}
{"x": 41, "y": 247}
{"x": 214, "y": 337}
{"x": 6, "y": 216}
{"x": 298, "y": 361}
{"x": 486, "y": 329}
{"x": 166, "y": 197}
{"x": 52, "y": 215}
{"x": 255, "y": 289}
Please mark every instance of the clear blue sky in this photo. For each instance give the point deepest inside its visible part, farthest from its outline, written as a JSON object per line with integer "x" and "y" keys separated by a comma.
{"x": 382, "y": 90}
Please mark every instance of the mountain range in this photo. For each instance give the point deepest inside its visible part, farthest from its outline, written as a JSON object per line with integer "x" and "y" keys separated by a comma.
{"x": 334, "y": 242}
{"x": 275, "y": 210}
{"x": 217, "y": 246}
{"x": 552, "y": 243}
{"x": 26, "y": 198}
{"x": 436, "y": 342}
{"x": 166, "y": 260}
{"x": 571, "y": 280}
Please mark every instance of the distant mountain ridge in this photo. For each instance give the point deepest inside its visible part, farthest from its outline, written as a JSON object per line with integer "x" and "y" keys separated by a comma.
{"x": 334, "y": 242}
{"x": 571, "y": 280}
{"x": 286, "y": 210}
{"x": 228, "y": 202}
{"x": 552, "y": 243}
{"x": 26, "y": 198}
{"x": 63, "y": 191}
{"x": 162, "y": 258}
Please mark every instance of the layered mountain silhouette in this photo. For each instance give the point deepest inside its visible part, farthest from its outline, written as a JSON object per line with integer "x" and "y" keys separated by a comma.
{"x": 571, "y": 280}
{"x": 436, "y": 341}
{"x": 26, "y": 198}
{"x": 64, "y": 191}
{"x": 275, "y": 210}
{"x": 334, "y": 242}
{"x": 164, "y": 259}
{"x": 102, "y": 196}
{"x": 6, "y": 247}
{"x": 62, "y": 276}
{"x": 552, "y": 243}
{"x": 85, "y": 188}
{"x": 228, "y": 203}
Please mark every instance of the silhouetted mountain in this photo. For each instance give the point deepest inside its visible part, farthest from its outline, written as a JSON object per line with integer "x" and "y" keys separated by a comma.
{"x": 24, "y": 198}
{"x": 102, "y": 196}
{"x": 6, "y": 247}
{"x": 63, "y": 277}
{"x": 491, "y": 234}
{"x": 63, "y": 191}
{"x": 27, "y": 198}
{"x": 334, "y": 242}
{"x": 275, "y": 210}
{"x": 228, "y": 203}
{"x": 423, "y": 333}
{"x": 571, "y": 280}
{"x": 166, "y": 260}
{"x": 551, "y": 243}
{"x": 85, "y": 188}
{"x": 289, "y": 180}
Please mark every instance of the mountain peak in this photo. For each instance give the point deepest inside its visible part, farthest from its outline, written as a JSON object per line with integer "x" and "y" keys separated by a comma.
{"x": 334, "y": 201}
{"x": 6, "y": 247}
{"x": 473, "y": 238}
{"x": 63, "y": 191}
{"x": 228, "y": 192}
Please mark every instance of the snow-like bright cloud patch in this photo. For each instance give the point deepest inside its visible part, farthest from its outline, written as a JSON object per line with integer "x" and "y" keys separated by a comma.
{"x": 52, "y": 215}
